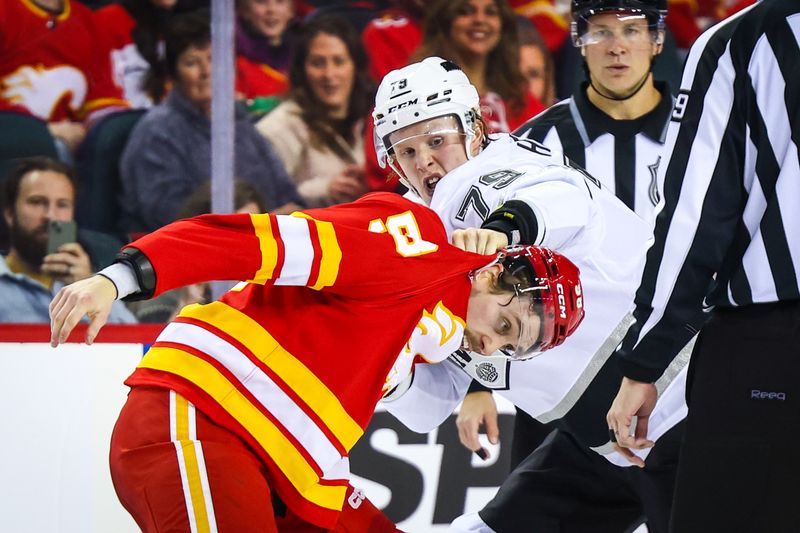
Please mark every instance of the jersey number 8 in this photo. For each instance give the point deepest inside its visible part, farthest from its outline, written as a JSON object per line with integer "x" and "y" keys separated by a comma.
{"x": 404, "y": 230}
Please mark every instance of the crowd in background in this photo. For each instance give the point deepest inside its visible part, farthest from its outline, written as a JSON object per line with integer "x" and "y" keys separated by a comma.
{"x": 117, "y": 96}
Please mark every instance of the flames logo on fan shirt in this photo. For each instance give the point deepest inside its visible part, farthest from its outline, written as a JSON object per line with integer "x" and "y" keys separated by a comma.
{"x": 40, "y": 89}
{"x": 437, "y": 335}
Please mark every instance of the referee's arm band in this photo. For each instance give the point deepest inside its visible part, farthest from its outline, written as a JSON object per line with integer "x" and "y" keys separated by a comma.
{"x": 516, "y": 220}
{"x": 142, "y": 269}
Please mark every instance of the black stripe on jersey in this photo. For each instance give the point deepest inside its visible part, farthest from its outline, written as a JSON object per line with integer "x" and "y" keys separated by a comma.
{"x": 767, "y": 171}
{"x": 787, "y": 55}
{"x": 625, "y": 170}
{"x": 561, "y": 117}
{"x": 783, "y": 45}
{"x": 718, "y": 244}
{"x": 537, "y": 128}
{"x": 664, "y": 331}
{"x": 673, "y": 180}
{"x": 741, "y": 291}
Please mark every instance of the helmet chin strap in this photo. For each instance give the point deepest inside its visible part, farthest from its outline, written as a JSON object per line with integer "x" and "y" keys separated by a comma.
{"x": 620, "y": 98}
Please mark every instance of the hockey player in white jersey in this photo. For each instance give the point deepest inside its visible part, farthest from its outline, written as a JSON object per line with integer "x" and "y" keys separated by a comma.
{"x": 492, "y": 192}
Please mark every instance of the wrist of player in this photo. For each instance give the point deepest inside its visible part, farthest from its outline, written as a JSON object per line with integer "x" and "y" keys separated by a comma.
{"x": 516, "y": 220}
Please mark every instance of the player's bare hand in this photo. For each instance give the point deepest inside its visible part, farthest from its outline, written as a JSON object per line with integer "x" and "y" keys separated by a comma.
{"x": 634, "y": 399}
{"x": 92, "y": 296}
{"x": 478, "y": 409}
{"x": 479, "y": 240}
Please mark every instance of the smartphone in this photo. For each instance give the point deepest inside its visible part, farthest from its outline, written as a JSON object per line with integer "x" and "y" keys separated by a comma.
{"x": 60, "y": 232}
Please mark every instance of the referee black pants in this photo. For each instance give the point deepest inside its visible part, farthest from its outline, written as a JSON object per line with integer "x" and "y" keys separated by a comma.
{"x": 564, "y": 487}
{"x": 739, "y": 467}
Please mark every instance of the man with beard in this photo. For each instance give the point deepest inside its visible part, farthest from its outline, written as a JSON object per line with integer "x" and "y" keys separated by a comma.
{"x": 37, "y": 191}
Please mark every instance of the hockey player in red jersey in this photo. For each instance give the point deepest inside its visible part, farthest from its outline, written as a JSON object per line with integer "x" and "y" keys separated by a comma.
{"x": 265, "y": 391}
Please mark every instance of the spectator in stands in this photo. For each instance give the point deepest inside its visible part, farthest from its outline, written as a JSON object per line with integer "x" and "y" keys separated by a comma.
{"x": 318, "y": 131}
{"x": 391, "y": 38}
{"x": 549, "y": 17}
{"x": 481, "y": 37}
{"x": 51, "y": 66}
{"x": 266, "y": 31}
{"x": 132, "y": 32}
{"x": 536, "y": 63}
{"x": 164, "y": 308}
{"x": 356, "y": 12}
{"x": 169, "y": 152}
{"x": 38, "y": 190}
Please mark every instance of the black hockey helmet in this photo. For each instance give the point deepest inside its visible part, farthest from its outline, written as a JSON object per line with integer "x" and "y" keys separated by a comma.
{"x": 582, "y": 10}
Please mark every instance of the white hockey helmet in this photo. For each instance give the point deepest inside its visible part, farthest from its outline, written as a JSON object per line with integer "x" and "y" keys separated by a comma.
{"x": 432, "y": 88}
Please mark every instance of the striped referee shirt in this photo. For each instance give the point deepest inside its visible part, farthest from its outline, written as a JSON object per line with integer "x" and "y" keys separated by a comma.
{"x": 623, "y": 154}
{"x": 729, "y": 232}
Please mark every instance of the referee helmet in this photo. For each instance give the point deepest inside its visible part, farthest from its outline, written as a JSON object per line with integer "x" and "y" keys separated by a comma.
{"x": 582, "y": 10}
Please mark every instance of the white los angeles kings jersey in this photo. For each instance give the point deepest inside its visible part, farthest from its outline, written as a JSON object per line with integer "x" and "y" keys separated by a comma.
{"x": 578, "y": 218}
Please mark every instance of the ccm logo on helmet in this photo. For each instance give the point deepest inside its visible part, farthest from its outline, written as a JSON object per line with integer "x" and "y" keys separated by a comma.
{"x": 562, "y": 300}
{"x": 402, "y": 105}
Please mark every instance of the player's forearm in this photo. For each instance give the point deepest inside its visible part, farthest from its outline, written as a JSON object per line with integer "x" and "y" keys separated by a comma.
{"x": 212, "y": 247}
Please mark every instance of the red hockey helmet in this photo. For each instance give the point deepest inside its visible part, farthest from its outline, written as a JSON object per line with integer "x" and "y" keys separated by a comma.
{"x": 549, "y": 284}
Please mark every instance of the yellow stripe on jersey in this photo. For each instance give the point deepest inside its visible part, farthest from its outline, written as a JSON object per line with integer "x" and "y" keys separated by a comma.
{"x": 269, "y": 248}
{"x": 331, "y": 255}
{"x": 191, "y": 465}
{"x": 331, "y": 252}
{"x": 280, "y": 449}
{"x": 290, "y": 369}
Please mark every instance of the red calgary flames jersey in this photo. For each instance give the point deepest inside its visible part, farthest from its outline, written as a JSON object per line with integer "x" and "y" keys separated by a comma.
{"x": 338, "y": 305}
{"x": 259, "y": 79}
{"x": 50, "y": 65}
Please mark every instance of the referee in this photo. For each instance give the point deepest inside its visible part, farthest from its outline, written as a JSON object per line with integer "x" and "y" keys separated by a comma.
{"x": 614, "y": 126}
{"x": 728, "y": 239}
